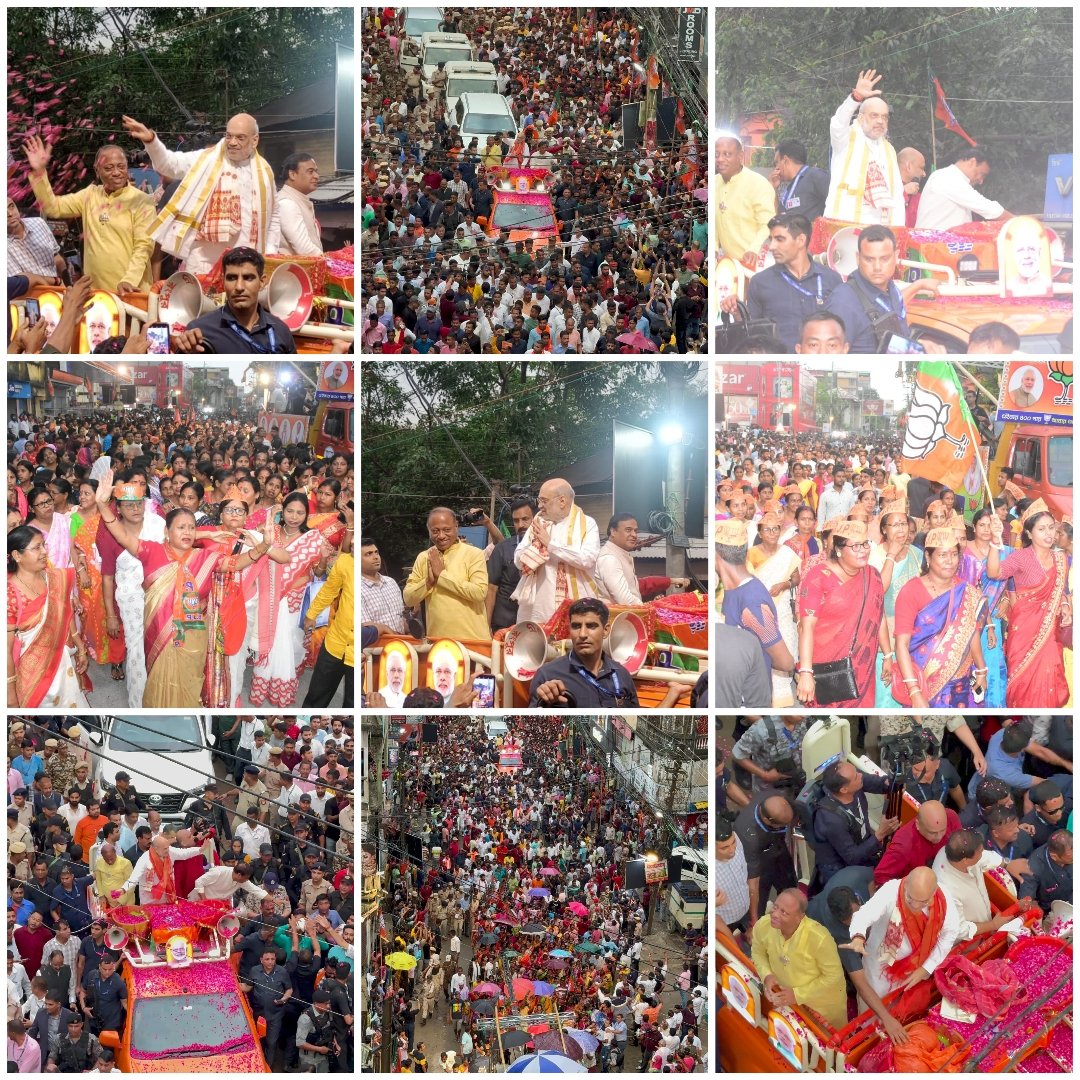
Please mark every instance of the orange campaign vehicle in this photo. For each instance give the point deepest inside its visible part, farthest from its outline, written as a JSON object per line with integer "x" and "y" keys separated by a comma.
{"x": 522, "y": 207}
{"x": 185, "y": 1010}
{"x": 331, "y": 428}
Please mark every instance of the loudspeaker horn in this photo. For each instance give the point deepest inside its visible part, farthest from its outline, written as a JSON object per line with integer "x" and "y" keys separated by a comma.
{"x": 228, "y": 925}
{"x": 116, "y": 938}
{"x": 525, "y": 649}
{"x": 289, "y": 295}
{"x": 628, "y": 641}
{"x": 843, "y": 251}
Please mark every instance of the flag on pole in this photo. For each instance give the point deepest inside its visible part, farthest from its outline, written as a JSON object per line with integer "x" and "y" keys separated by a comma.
{"x": 680, "y": 118}
{"x": 944, "y": 113}
{"x": 939, "y": 430}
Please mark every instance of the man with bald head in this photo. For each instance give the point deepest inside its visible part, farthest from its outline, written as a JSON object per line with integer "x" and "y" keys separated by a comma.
{"x": 116, "y": 218}
{"x": 912, "y": 173}
{"x": 154, "y": 873}
{"x": 226, "y": 199}
{"x": 450, "y": 578}
{"x": 556, "y": 554}
{"x": 763, "y": 826}
{"x": 745, "y": 204}
{"x": 865, "y": 186}
{"x": 918, "y": 842}
{"x": 903, "y": 932}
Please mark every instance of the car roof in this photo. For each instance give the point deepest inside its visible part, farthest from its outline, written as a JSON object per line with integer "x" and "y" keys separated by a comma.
{"x": 469, "y": 67}
{"x": 485, "y": 103}
{"x": 1027, "y": 315}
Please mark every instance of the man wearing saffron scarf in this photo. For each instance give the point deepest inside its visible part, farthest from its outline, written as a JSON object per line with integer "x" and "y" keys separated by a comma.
{"x": 153, "y": 872}
{"x": 903, "y": 932}
{"x": 225, "y": 200}
{"x": 556, "y": 555}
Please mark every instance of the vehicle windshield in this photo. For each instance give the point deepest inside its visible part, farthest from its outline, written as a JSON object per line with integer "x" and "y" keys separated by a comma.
{"x": 134, "y": 733}
{"x": 1059, "y": 462}
{"x": 168, "y": 1024}
{"x": 476, "y": 84}
{"x": 1042, "y": 344}
{"x": 415, "y": 25}
{"x": 523, "y": 216}
{"x": 487, "y": 123}
{"x": 437, "y": 54}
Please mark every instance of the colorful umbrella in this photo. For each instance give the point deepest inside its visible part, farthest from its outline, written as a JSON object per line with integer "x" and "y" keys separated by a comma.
{"x": 506, "y": 920}
{"x": 487, "y": 989}
{"x": 587, "y": 947}
{"x": 553, "y": 1041}
{"x": 637, "y": 342}
{"x": 533, "y": 930}
{"x": 554, "y": 963}
{"x": 560, "y": 952}
{"x": 514, "y": 1037}
{"x": 511, "y": 953}
{"x": 542, "y": 989}
{"x": 538, "y": 1029}
{"x": 401, "y": 961}
{"x": 577, "y": 908}
{"x": 584, "y": 1039}
{"x": 549, "y": 871}
{"x": 522, "y": 989}
{"x": 548, "y": 1062}
{"x": 544, "y": 894}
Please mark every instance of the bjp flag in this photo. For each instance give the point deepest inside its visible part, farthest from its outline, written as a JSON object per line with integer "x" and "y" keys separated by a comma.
{"x": 939, "y": 438}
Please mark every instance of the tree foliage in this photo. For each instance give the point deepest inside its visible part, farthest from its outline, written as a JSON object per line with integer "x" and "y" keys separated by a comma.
{"x": 519, "y": 422}
{"x": 78, "y": 72}
{"x": 1016, "y": 63}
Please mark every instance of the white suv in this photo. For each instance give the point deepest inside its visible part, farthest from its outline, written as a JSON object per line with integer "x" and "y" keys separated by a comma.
{"x": 482, "y": 117}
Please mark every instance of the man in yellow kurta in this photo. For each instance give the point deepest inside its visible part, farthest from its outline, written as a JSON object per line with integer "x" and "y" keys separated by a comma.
{"x": 110, "y": 872}
{"x": 797, "y": 960}
{"x": 451, "y": 577}
{"x": 745, "y": 204}
{"x": 116, "y": 218}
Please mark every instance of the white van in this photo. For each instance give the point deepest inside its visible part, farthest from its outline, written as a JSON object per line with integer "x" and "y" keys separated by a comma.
{"x": 482, "y": 117}
{"x": 474, "y": 77}
{"x": 418, "y": 21}
{"x": 167, "y": 757}
{"x": 438, "y": 49}
{"x": 695, "y": 866}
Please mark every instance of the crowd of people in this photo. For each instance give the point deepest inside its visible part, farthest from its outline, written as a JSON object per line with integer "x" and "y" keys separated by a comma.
{"x": 769, "y": 226}
{"x": 471, "y": 593}
{"x": 887, "y": 902}
{"x": 516, "y": 925}
{"x": 219, "y": 210}
{"x": 175, "y": 556}
{"x": 847, "y": 583}
{"x": 272, "y": 839}
{"x": 624, "y": 270}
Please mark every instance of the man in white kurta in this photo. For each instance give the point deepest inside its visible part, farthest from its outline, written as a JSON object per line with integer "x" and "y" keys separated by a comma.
{"x": 960, "y": 866}
{"x": 237, "y": 207}
{"x": 949, "y": 198}
{"x": 865, "y": 186}
{"x": 615, "y": 564}
{"x": 153, "y": 872}
{"x": 871, "y": 922}
{"x": 557, "y": 555}
{"x": 221, "y": 883}
{"x": 297, "y": 229}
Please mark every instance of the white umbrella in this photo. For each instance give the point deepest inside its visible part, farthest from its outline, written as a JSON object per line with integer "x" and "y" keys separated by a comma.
{"x": 546, "y": 1062}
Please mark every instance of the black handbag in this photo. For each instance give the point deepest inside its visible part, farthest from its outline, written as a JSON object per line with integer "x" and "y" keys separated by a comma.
{"x": 835, "y": 680}
{"x": 732, "y": 334}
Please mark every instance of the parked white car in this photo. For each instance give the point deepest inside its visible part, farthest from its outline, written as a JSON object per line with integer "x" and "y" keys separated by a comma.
{"x": 482, "y": 117}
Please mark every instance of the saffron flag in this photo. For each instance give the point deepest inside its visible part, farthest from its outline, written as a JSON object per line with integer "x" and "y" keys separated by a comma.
{"x": 680, "y": 117}
{"x": 940, "y": 435}
{"x": 944, "y": 113}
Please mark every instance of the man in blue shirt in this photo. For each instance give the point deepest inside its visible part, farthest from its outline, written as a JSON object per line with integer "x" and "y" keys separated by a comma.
{"x": 804, "y": 188}
{"x": 871, "y": 292}
{"x": 795, "y": 286}
{"x": 70, "y": 900}
{"x": 28, "y": 764}
{"x": 1005, "y": 758}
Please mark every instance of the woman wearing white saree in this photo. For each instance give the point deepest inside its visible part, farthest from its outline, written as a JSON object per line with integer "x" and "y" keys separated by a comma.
{"x": 777, "y": 567}
{"x": 275, "y": 634}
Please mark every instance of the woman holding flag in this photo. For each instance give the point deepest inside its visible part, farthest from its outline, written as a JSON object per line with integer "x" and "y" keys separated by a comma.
{"x": 1040, "y": 619}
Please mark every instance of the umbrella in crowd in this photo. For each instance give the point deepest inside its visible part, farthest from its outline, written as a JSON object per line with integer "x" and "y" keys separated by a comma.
{"x": 533, "y": 930}
{"x": 549, "y": 871}
{"x": 577, "y": 908}
{"x": 522, "y": 989}
{"x": 489, "y": 939}
{"x": 560, "y": 953}
{"x": 555, "y": 963}
{"x": 638, "y": 342}
{"x": 505, "y": 920}
{"x": 587, "y": 1041}
{"x": 485, "y": 1006}
{"x": 513, "y": 1038}
{"x": 587, "y": 947}
{"x": 553, "y": 1041}
{"x": 401, "y": 961}
{"x": 542, "y": 989}
{"x": 486, "y": 989}
{"x": 548, "y": 1062}
{"x": 544, "y": 894}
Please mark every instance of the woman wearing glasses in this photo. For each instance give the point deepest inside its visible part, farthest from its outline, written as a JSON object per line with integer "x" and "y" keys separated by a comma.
{"x": 939, "y": 618}
{"x": 841, "y": 609}
{"x": 54, "y": 527}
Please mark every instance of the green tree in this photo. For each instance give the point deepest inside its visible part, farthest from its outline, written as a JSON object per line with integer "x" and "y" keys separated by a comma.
{"x": 1007, "y": 73}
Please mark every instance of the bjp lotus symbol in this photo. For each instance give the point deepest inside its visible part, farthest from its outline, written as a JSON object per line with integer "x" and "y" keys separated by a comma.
{"x": 1060, "y": 371}
{"x": 926, "y": 422}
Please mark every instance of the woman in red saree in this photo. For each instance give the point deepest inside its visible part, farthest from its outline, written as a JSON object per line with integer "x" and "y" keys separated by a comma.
{"x": 841, "y": 614}
{"x": 803, "y": 543}
{"x": 177, "y": 579}
{"x": 1040, "y": 619}
{"x": 84, "y": 529}
{"x": 46, "y": 654}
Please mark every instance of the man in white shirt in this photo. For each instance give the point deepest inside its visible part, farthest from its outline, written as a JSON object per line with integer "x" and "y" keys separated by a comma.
{"x": 251, "y": 834}
{"x": 221, "y": 883}
{"x": 959, "y": 866}
{"x": 295, "y": 230}
{"x": 246, "y": 745}
{"x": 949, "y": 197}
{"x": 615, "y": 564}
